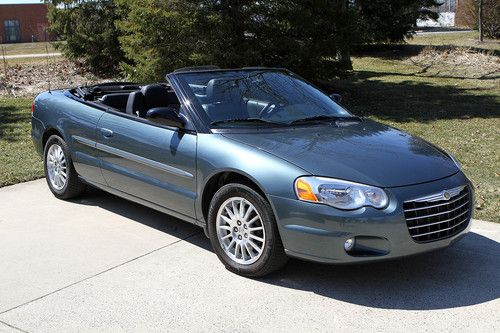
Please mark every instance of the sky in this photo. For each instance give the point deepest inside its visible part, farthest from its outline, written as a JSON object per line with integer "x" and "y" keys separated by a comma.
{"x": 5, "y": 2}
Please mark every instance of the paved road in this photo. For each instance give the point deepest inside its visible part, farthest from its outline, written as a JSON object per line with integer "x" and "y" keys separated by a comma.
{"x": 103, "y": 264}
{"x": 35, "y": 55}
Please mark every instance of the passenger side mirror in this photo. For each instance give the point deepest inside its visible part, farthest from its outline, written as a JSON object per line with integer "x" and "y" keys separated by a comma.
{"x": 166, "y": 116}
{"x": 336, "y": 97}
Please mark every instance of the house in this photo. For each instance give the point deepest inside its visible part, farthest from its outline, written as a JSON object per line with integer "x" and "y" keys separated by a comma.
{"x": 446, "y": 12}
{"x": 22, "y": 23}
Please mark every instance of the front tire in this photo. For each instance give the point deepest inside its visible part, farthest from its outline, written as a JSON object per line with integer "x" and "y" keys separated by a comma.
{"x": 243, "y": 232}
{"x": 60, "y": 173}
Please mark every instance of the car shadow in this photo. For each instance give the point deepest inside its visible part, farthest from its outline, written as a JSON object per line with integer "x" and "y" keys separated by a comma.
{"x": 467, "y": 273}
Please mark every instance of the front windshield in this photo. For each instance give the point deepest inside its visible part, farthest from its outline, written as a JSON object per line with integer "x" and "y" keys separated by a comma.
{"x": 258, "y": 97}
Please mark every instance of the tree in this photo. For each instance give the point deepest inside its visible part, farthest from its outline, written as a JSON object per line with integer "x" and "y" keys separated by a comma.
{"x": 306, "y": 36}
{"x": 148, "y": 38}
{"x": 392, "y": 21}
{"x": 468, "y": 15}
{"x": 89, "y": 33}
{"x": 480, "y": 21}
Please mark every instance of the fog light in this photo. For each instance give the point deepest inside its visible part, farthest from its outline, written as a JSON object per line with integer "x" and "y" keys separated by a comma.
{"x": 349, "y": 244}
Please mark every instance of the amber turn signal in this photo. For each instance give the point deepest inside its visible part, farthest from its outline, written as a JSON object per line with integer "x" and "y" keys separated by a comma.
{"x": 304, "y": 191}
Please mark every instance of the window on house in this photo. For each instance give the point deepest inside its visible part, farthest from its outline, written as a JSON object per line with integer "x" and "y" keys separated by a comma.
{"x": 12, "y": 31}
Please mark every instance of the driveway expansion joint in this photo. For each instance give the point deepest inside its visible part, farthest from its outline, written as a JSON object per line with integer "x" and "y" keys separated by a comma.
{"x": 97, "y": 274}
{"x": 12, "y": 326}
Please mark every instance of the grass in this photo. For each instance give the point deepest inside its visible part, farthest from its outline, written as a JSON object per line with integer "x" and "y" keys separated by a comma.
{"x": 18, "y": 160}
{"x": 24, "y": 61}
{"x": 466, "y": 39}
{"x": 27, "y": 48}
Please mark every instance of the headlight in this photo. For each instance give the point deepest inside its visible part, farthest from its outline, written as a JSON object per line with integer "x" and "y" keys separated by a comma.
{"x": 339, "y": 193}
{"x": 456, "y": 161}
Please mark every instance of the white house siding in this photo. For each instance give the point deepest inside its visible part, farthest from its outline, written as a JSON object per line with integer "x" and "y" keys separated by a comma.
{"x": 446, "y": 19}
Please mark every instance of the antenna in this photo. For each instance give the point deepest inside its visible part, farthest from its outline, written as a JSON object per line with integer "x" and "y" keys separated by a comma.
{"x": 47, "y": 52}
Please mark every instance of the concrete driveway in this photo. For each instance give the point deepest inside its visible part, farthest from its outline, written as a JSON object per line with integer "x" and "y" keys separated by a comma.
{"x": 100, "y": 263}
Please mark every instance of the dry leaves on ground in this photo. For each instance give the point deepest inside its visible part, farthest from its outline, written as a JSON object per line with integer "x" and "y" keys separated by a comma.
{"x": 32, "y": 78}
{"x": 457, "y": 62}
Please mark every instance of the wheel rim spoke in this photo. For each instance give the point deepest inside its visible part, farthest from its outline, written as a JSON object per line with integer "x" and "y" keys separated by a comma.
{"x": 240, "y": 242}
{"x": 229, "y": 212}
{"x": 226, "y": 219}
{"x": 227, "y": 236}
{"x": 253, "y": 220}
{"x": 248, "y": 212}
{"x": 256, "y": 238}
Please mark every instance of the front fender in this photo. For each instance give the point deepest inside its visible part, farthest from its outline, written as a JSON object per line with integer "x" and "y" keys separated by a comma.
{"x": 217, "y": 154}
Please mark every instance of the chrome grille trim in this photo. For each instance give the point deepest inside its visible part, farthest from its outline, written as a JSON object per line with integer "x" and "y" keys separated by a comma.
{"x": 439, "y": 222}
{"x": 439, "y": 215}
{"x": 441, "y": 230}
{"x": 439, "y": 196}
{"x": 446, "y": 203}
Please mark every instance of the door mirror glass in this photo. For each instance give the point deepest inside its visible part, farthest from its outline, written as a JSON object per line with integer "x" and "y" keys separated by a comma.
{"x": 336, "y": 97}
{"x": 166, "y": 116}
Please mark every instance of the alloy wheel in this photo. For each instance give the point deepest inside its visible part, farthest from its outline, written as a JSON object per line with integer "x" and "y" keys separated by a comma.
{"x": 56, "y": 167}
{"x": 240, "y": 230}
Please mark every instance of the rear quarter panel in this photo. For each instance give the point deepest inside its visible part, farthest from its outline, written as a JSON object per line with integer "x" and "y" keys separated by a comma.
{"x": 62, "y": 112}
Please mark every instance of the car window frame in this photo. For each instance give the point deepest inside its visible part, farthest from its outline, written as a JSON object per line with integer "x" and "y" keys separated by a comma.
{"x": 203, "y": 118}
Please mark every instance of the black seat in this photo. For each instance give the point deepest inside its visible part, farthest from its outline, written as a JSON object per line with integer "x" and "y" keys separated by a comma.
{"x": 117, "y": 100}
{"x": 150, "y": 96}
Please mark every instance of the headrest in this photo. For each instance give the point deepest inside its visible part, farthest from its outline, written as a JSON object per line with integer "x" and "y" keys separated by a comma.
{"x": 157, "y": 95}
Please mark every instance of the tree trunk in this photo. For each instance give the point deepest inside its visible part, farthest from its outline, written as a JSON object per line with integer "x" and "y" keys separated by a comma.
{"x": 344, "y": 54}
{"x": 481, "y": 33}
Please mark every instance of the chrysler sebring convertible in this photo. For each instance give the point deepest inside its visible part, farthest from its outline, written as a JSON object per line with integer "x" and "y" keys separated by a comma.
{"x": 266, "y": 163}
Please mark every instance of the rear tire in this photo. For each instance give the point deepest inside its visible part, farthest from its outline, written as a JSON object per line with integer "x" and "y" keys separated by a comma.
{"x": 60, "y": 173}
{"x": 243, "y": 232}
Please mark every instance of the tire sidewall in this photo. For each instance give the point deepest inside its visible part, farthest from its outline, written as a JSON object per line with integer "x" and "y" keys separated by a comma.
{"x": 268, "y": 220}
{"x": 54, "y": 139}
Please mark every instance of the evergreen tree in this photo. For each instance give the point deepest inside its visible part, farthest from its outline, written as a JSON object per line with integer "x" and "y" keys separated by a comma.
{"x": 88, "y": 31}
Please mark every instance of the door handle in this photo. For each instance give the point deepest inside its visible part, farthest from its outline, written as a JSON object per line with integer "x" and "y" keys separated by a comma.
{"x": 107, "y": 133}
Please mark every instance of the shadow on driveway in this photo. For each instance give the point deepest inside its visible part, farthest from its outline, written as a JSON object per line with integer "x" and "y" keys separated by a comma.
{"x": 467, "y": 273}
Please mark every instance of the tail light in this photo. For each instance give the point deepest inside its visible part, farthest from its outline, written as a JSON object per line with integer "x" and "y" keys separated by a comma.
{"x": 32, "y": 107}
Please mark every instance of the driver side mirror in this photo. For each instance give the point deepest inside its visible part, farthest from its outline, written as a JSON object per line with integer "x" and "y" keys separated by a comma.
{"x": 336, "y": 97}
{"x": 166, "y": 116}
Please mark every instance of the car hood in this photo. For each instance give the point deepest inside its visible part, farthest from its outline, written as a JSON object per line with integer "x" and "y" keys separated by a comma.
{"x": 366, "y": 152}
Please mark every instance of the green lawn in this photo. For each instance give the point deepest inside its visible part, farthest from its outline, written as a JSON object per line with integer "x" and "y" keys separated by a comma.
{"x": 29, "y": 61}
{"x": 27, "y": 48}
{"x": 18, "y": 160}
{"x": 466, "y": 39}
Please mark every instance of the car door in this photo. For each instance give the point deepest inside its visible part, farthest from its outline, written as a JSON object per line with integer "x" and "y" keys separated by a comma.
{"x": 152, "y": 162}
{"x": 79, "y": 122}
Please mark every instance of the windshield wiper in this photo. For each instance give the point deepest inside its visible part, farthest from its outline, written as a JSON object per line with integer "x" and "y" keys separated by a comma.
{"x": 246, "y": 120}
{"x": 324, "y": 117}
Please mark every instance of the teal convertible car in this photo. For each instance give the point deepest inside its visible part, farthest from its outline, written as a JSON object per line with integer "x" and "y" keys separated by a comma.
{"x": 265, "y": 162}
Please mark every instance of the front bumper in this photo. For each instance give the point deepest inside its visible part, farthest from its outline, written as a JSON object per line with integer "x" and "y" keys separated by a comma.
{"x": 318, "y": 232}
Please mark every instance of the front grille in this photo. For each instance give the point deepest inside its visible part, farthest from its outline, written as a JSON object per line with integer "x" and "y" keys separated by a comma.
{"x": 432, "y": 217}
